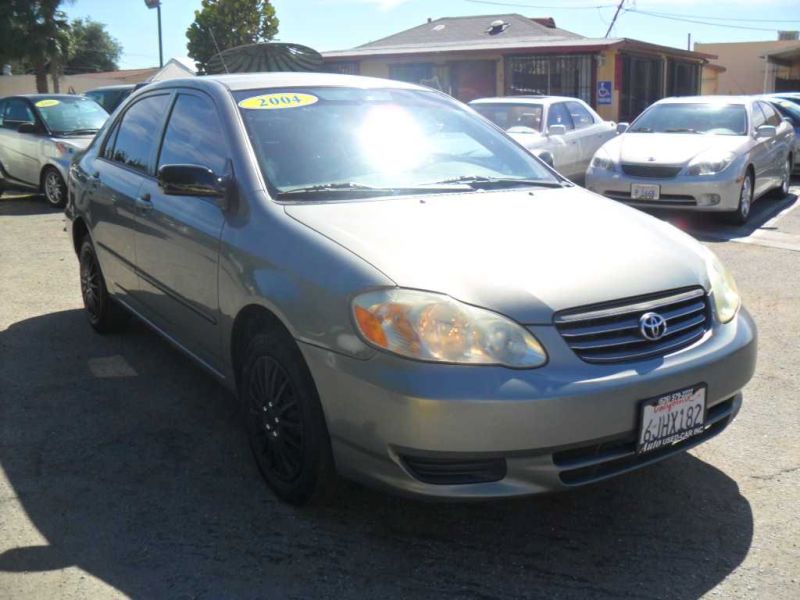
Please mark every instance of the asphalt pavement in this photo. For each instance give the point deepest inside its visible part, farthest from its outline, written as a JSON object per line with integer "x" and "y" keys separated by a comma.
{"x": 124, "y": 471}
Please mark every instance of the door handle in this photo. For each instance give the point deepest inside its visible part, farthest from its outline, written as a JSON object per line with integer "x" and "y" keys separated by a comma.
{"x": 143, "y": 202}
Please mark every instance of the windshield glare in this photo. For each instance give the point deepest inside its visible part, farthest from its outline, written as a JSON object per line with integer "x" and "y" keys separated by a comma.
{"x": 380, "y": 138}
{"x": 715, "y": 119}
{"x": 67, "y": 115}
{"x": 517, "y": 116}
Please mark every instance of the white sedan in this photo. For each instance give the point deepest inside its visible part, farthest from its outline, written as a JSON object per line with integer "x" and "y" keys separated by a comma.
{"x": 565, "y": 132}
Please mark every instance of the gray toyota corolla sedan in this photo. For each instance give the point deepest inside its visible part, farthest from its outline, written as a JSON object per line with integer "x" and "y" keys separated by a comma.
{"x": 400, "y": 293}
{"x": 706, "y": 153}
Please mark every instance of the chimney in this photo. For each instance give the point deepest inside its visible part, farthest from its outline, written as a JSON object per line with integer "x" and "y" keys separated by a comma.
{"x": 548, "y": 22}
{"x": 429, "y": 20}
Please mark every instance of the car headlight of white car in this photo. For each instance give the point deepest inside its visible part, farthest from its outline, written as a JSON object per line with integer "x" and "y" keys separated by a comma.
{"x": 603, "y": 161}
{"x": 723, "y": 289}
{"x": 437, "y": 328}
{"x": 710, "y": 162}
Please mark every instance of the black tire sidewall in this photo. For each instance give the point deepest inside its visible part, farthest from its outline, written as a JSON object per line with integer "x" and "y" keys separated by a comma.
{"x": 109, "y": 316}
{"x": 317, "y": 465}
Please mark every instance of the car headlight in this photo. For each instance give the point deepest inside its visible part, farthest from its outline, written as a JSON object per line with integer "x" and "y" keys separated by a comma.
{"x": 723, "y": 289}
{"x": 602, "y": 160}
{"x": 710, "y": 163}
{"x": 434, "y": 327}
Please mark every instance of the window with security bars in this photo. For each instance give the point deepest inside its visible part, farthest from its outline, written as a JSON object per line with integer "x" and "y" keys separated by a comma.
{"x": 683, "y": 78}
{"x": 642, "y": 84}
{"x": 561, "y": 75}
{"x": 343, "y": 68}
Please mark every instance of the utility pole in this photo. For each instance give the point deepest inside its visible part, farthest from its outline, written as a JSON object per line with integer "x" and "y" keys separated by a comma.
{"x": 614, "y": 20}
{"x": 157, "y": 5}
{"x": 689, "y": 41}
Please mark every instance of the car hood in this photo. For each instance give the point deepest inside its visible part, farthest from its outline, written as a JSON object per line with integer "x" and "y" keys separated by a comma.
{"x": 668, "y": 148}
{"x": 523, "y": 254}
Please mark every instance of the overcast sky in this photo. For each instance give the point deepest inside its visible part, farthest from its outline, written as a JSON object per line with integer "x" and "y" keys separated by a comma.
{"x": 340, "y": 24}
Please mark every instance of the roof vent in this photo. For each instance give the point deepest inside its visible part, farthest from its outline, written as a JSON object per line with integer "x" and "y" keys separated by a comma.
{"x": 498, "y": 26}
{"x": 438, "y": 27}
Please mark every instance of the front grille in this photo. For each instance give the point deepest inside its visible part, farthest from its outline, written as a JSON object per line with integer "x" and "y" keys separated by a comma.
{"x": 663, "y": 199}
{"x": 610, "y": 333}
{"x": 449, "y": 471}
{"x": 653, "y": 171}
{"x": 588, "y": 464}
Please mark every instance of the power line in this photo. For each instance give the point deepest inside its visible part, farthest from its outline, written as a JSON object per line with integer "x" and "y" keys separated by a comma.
{"x": 710, "y": 18}
{"x": 558, "y": 7}
{"x": 614, "y": 20}
{"x": 684, "y": 20}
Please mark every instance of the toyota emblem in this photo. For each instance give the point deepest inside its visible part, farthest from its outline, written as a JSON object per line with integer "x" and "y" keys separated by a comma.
{"x": 652, "y": 326}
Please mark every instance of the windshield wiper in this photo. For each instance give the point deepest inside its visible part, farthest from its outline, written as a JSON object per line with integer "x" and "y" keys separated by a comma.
{"x": 480, "y": 181}
{"x": 78, "y": 132}
{"x": 362, "y": 190}
{"x": 681, "y": 130}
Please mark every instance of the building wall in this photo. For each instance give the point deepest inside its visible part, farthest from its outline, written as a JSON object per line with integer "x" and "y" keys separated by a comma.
{"x": 11, "y": 85}
{"x": 744, "y": 66}
{"x": 709, "y": 84}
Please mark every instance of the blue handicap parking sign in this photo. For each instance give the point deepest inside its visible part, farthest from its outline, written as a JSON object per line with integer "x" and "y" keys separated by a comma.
{"x": 604, "y": 92}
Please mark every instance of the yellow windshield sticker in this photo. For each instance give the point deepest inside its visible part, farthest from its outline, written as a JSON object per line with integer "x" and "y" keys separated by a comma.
{"x": 278, "y": 101}
{"x": 47, "y": 103}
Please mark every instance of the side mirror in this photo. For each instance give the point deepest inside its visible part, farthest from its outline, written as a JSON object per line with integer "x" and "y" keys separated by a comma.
{"x": 28, "y": 128}
{"x": 194, "y": 180}
{"x": 545, "y": 157}
{"x": 622, "y": 127}
{"x": 766, "y": 131}
{"x": 556, "y": 129}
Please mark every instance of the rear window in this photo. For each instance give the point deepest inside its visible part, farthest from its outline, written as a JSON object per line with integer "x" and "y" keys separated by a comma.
{"x": 507, "y": 115}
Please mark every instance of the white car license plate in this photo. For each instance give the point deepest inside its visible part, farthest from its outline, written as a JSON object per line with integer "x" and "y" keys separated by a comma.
{"x": 645, "y": 191}
{"x": 671, "y": 418}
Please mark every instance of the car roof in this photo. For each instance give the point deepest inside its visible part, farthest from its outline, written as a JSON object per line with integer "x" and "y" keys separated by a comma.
{"x": 41, "y": 96}
{"x": 110, "y": 88}
{"x": 251, "y": 81}
{"x": 524, "y": 99}
{"x": 706, "y": 100}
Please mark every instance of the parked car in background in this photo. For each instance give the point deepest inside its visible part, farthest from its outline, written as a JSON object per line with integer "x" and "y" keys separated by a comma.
{"x": 564, "y": 132}
{"x": 793, "y": 97}
{"x": 703, "y": 153}
{"x": 791, "y": 111}
{"x": 39, "y": 136}
{"x": 110, "y": 97}
{"x": 399, "y": 292}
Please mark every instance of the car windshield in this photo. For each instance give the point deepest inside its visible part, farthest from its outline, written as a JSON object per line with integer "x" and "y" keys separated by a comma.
{"x": 506, "y": 115}
{"x": 709, "y": 118}
{"x": 108, "y": 99}
{"x": 71, "y": 116}
{"x": 335, "y": 141}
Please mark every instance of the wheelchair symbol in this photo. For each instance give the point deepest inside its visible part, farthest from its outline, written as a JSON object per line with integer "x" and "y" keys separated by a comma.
{"x": 604, "y": 92}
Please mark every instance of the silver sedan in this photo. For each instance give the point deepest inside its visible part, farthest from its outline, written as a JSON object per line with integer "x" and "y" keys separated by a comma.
{"x": 564, "y": 132}
{"x": 698, "y": 153}
{"x": 40, "y": 135}
{"x": 399, "y": 293}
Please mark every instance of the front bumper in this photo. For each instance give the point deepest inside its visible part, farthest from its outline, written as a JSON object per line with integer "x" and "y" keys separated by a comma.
{"x": 714, "y": 193}
{"x": 565, "y": 424}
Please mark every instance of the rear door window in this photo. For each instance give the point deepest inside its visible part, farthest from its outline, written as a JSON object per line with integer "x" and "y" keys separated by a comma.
{"x": 559, "y": 115}
{"x": 139, "y": 132}
{"x": 581, "y": 117}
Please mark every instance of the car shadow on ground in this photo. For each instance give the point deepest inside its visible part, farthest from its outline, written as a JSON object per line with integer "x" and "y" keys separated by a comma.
{"x": 19, "y": 204}
{"x": 712, "y": 227}
{"x": 130, "y": 461}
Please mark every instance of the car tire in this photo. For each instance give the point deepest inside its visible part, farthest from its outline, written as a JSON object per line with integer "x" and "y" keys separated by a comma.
{"x": 284, "y": 419}
{"x": 742, "y": 213}
{"x": 54, "y": 188}
{"x": 104, "y": 314}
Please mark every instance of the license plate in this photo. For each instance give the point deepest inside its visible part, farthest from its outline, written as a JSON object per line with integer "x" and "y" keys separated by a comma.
{"x": 671, "y": 418}
{"x": 645, "y": 191}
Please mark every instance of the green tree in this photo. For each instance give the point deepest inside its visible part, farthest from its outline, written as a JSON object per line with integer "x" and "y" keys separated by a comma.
{"x": 232, "y": 23}
{"x": 35, "y": 33}
{"x": 92, "y": 48}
